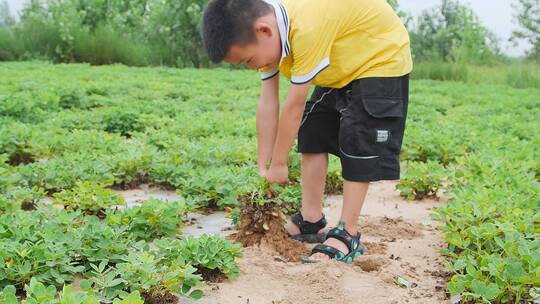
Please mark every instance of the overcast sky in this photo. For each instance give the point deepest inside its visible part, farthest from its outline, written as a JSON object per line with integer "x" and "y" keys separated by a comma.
{"x": 497, "y": 15}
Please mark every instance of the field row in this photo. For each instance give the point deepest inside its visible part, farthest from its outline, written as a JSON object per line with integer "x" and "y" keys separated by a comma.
{"x": 72, "y": 132}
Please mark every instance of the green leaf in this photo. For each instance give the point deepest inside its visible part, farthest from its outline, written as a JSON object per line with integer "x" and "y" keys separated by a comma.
{"x": 196, "y": 294}
{"x": 85, "y": 284}
{"x": 488, "y": 292}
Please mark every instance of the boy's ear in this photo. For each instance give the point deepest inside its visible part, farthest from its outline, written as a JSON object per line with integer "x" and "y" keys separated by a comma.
{"x": 263, "y": 28}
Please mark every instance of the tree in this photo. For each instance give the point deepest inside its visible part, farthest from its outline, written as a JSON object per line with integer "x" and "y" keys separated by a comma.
{"x": 174, "y": 26}
{"x": 528, "y": 17}
{"x": 5, "y": 17}
{"x": 452, "y": 32}
{"x": 405, "y": 17}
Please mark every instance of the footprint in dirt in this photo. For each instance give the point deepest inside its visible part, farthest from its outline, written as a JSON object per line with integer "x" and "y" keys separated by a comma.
{"x": 371, "y": 263}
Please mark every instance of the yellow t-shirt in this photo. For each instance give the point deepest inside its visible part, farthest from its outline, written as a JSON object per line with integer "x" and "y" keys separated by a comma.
{"x": 335, "y": 42}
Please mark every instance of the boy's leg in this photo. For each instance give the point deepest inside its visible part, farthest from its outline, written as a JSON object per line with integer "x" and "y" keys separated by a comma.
{"x": 373, "y": 112}
{"x": 317, "y": 136}
{"x": 313, "y": 175}
{"x": 354, "y": 194}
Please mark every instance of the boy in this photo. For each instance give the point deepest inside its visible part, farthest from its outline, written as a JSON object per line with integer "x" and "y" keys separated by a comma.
{"x": 357, "y": 54}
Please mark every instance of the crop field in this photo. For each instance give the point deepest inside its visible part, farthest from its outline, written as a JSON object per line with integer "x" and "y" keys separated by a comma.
{"x": 72, "y": 137}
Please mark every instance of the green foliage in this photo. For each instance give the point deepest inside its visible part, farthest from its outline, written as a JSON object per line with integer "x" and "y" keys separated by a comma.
{"x": 489, "y": 156}
{"x": 174, "y": 31}
{"x": 441, "y": 71}
{"x": 198, "y": 138}
{"x": 142, "y": 32}
{"x": 518, "y": 75}
{"x": 421, "y": 180}
{"x": 10, "y": 46}
{"x": 153, "y": 219}
{"x": 209, "y": 252}
{"x": 122, "y": 121}
{"x": 8, "y": 295}
{"x": 106, "y": 45}
{"x": 522, "y": 78}
{"x": 527, "y": 12}
{"x": 37, "y": 293}
{"x": 45, "y": 249}
{"x": 452, "y": 32}
{"x": 5, "y": 17}
{"x": 88, "y": 197}
{"x": 15, "y": 198}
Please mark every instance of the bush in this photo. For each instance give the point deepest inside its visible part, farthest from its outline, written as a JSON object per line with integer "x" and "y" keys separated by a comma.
{"x": 521, "y": 78}
{"x": 441, "y": 71}
{"x": 106, "y": 46}
{"x": 153, "y": 219}
{"x": 122, "y": 121}
{"x": 89, "y": 198}
{"x": 421, "y": 180}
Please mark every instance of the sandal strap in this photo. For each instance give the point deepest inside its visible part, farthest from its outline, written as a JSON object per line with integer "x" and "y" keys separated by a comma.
{"x": 307, "y": 227}
{"x": 328, "y": 250}
{"x": 345, "y": 237}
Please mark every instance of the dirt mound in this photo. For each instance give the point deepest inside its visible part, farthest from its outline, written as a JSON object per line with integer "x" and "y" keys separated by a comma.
{"x": 263, "y": 225}
{"x": 389, "y": 229}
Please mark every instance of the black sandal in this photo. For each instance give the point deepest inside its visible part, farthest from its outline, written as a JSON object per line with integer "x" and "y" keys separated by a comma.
{"x": 356, "y": 249}
{"x": 309, "y": 232}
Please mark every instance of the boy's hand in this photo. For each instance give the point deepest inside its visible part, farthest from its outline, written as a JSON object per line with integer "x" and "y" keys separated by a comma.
{"x": 277, "y": 174}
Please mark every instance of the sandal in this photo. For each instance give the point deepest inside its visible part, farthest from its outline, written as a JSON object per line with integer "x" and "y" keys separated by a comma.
{"x": 309, "y": 232}
{"x": 356, "y": 249}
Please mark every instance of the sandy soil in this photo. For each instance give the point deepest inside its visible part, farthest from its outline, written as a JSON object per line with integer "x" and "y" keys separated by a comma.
{"x": 402, "y": 243}
{"x": 400, "y": 236}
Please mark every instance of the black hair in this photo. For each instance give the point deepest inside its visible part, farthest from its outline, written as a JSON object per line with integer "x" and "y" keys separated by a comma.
{"x": 228, "y": 22}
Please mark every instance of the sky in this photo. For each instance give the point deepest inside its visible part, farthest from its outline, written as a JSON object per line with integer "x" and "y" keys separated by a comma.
{"x": 496, "y": 15}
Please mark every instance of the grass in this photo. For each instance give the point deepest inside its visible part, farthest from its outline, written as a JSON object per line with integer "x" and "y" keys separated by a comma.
{"x": 516, "y": 75}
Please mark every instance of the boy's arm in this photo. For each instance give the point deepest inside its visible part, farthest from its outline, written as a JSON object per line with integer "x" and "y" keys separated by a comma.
{"x": 267, "y": 122}
{"x": 289, "y": 123}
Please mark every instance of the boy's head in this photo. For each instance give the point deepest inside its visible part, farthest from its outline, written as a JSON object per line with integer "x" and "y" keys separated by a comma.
{"x": 241, "y": 32}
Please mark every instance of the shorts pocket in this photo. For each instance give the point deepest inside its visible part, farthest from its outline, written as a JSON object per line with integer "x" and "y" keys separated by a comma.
{"x": 381, "y": 107}
{"x": 372, "y": 126}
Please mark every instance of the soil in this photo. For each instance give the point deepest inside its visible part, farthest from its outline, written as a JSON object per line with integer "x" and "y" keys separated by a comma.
{"x": 210, "y": 275}
{"x": 159, "y": 298}
{"x": 263, "y": 225}
{"x": 28, "y": 206}
{"x": 136, "y": 182}
{"x": 21, "y": 158}
{"x": 389, "y": 229}
{"x": 401, "y": 239}
{"x": 402, "y": 243}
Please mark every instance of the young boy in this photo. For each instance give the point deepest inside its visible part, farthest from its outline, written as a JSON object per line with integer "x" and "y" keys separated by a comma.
{"x": 357, "y": 54}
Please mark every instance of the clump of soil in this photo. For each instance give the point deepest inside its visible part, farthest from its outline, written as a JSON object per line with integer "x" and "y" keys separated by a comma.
{"x": 159, "y": 298}
{"x": 210, "y": 275}
{"x": 389, "y": 229}
{"x": 263, "y": 225}
{"x": 21, "y": 158}
{"x": 28, "y": 206}
{"x": 138, "y": 180}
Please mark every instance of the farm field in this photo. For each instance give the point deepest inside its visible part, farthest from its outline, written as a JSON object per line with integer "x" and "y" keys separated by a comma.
{"x": 462, "y": 225}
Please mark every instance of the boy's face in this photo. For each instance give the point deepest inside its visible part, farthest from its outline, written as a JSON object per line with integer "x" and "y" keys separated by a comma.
{"x": 265, "y": 51}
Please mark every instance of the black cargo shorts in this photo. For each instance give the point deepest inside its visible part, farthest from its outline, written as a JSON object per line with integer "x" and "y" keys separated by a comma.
{"x": 361, "y": 123}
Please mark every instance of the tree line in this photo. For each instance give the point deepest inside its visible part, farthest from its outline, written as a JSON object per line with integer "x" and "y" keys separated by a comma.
{"x": 166, "y": 32}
